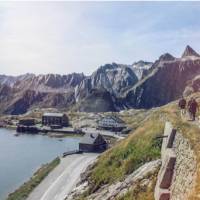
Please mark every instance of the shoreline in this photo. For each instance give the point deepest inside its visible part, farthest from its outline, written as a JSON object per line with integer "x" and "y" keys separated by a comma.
{"x": 23, "y": 191}
{"x": 28, "y": 160}
{"x": 39, "y": 176}
{"x": 62, "y": 180}
{"x": 51, "y": 134}
{"x": 60, "y": 135}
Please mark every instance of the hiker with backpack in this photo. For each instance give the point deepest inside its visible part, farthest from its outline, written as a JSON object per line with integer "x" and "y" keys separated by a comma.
{"x": 192, "y": 108}
{"x": 182, "y": 105}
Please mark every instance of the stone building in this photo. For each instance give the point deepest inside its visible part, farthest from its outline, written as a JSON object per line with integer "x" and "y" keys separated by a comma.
{"x": 55, "y": 119}
{"x": 113, "y": 123}
{"x": 92, "y": 142}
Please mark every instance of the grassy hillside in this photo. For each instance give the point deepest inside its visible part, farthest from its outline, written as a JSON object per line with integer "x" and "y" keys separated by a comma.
{"x": 141, "y": 147}
{"x": 129, "y": 154}
{"x": 191, "y": 131}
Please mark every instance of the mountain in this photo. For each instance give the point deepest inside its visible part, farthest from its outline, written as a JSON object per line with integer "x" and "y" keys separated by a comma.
{"x": 24, "y": 92}
{"x": 161, "y": 82}
{"x": 98, "y": 100}
{"x": 114, "y": 78}
{"x": 111, "y": 80}
{"x": 11, "y": 80}
{"x": 189, "y": 52}
{"x": 106, "y": 84}
{"x": 112, "y": 87}
{"x": 166, "y": 82}
{"x": 141, "y": 68}
{"x": 193, "y": 86}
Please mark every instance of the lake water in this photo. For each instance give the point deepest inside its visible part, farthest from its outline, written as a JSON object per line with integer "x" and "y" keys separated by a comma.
{"x": 21, "y": 156}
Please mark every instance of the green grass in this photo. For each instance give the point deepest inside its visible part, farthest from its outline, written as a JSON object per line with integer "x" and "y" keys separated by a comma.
{"x": 189, "y": 131}
{"x": 23, "y": 191}
{"x": 128, "y": 155}
{"x": 140, "y": 147}
{"x": 134, "y": 118}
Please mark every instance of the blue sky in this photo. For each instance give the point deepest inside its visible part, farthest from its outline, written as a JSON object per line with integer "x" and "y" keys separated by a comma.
{"x": 64, "y": 37}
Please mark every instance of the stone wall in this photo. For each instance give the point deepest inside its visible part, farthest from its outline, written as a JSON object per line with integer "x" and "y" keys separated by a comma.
{"x": 177, "y": 175}
{"x": 185, "y": 169}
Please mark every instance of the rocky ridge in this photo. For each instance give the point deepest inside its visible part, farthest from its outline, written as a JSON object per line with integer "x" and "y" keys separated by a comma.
{"x": 112, "y": 87}
{"x": 166, "y": 82}
{"x": 29, "y": 90}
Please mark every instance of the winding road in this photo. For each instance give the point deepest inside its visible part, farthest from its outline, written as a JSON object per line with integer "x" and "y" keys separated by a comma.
{"x": 60, "y": 182}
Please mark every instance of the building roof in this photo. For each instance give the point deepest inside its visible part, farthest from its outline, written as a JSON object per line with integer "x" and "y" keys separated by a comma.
{"x": 89, "y": 138}
{"x": 115, "y": 118}
{"x": 53, "y": 114}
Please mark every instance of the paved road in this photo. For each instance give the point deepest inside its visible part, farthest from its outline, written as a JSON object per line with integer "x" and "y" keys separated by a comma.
{"x": 60, "y": 182}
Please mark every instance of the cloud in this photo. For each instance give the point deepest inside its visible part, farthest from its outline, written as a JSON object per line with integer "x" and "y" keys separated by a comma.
{"x": 64, "y": 37}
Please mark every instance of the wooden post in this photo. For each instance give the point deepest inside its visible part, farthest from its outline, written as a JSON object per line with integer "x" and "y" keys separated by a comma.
{"x": 171, "y": 138}
{"x": 168, "y": 174}
{"x": 165, "y": 196}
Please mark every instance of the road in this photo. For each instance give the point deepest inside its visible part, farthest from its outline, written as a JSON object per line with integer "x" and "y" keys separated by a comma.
{"x": 60, "y": 182}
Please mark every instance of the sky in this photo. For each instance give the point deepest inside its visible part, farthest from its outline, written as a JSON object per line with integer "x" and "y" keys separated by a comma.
{"x": 66, "y": 37}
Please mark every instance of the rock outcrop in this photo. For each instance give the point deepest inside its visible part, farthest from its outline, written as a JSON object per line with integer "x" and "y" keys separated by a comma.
{"x": 114, "y": 191}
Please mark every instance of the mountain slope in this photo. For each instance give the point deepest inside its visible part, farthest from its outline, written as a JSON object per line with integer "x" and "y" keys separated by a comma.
{"x": 110, "y": 176}
{"x": 111, "y": 80}
{"x": 159, "y": 83}
{"x": 166, "y": 82}
{"x": 141, "y": 68}
{"x": 189, "y": 52}
{"x": 112, "y": 77}
{"x": 111, "y": 87}
{"x": 29, "y": 91}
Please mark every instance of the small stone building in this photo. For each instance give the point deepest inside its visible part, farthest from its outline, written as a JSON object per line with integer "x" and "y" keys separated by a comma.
{"x": 27, "y": 122}
{"x": 92, "y": 142}
{"x": 112, "y": 123}
{"x": 55, "y": 119}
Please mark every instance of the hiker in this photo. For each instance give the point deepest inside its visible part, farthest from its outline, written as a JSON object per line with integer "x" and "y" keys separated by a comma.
{"x": 182, "y": 105}
{"x": 192, "y": 108}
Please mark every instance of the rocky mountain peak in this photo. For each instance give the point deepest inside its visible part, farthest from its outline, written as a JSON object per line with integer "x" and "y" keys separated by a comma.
{"x": 112, "y": 87}
{"x": 142, "y": 64}
{"x": 189, "y": 52}
{"x": 166, "y": 57}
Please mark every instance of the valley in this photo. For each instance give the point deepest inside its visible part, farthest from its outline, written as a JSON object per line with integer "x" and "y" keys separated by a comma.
{"x": 142, "y": 96}
{"x": 99, "y": 100}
